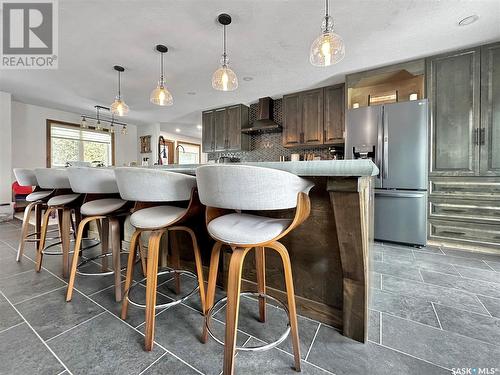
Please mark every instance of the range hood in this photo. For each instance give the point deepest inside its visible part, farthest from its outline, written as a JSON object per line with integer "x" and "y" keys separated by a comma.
{"x": 264, "y": 122}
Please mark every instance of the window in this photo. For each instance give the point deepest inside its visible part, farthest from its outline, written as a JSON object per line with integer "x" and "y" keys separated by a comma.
{"x": 68, "y": 142}
{"x": 188, "y": 153}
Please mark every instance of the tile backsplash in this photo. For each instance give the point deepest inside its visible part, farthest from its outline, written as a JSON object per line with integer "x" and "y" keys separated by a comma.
{"x": 269, "y": 146}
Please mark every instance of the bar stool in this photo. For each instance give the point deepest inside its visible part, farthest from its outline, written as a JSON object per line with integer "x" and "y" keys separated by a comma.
{"x": 101, "y": 204}
{"x": 65, "y": 201}
{"x": 226, "y": 191}
{"x": 38, "y": 201}
{"x": 160, "y": 207}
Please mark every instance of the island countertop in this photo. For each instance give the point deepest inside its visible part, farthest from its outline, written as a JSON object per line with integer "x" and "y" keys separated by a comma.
{"x": 316, "y": 168}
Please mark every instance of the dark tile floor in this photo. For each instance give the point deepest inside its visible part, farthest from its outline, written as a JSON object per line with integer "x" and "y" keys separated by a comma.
{"x": 432, "y": 310}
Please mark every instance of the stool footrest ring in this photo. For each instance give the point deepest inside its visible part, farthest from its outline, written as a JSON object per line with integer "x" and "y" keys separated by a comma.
{"x": 45, "y": 252}
{"x": 100, "y": 256}
{"x": 169, "y": 304}
{"x": 223, "y": 301}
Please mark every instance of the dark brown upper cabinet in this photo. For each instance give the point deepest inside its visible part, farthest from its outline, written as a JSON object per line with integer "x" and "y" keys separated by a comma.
{"x": 221, "y": 129}
{"x": 453, "y": 82}
{"x": 208, "y": 131}
{"x": 489, "y": 137}
{"x": 292, "y": 120}
{"x": 314, "y": 117}
{"x": 334, "y": 125}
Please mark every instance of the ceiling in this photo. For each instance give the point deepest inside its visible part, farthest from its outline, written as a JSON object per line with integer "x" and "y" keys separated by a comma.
{"x": 268, "y": 40}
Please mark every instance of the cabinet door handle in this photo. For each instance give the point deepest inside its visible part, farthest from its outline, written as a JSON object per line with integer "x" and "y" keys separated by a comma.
{"x": 451, "y": 210}
{"x": 324, "y": 135}
{"x": 476, "y": 137}
{"x": 453, "y": 233}
{"x": 482, "y": 136}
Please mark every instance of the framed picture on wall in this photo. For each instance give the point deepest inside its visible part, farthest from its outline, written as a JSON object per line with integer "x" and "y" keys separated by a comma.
{"x": 145, "y": 144}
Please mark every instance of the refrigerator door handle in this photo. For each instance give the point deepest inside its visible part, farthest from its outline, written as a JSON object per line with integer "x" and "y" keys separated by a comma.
{"x": 385, "y": 135}
{"x": 380, "y": 135}
{"x": 399, "y": 194}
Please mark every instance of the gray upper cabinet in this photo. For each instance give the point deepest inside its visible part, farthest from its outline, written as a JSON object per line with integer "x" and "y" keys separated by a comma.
{"x": 453, "y": 86}
{"x": 221, "y": 129}
{"x": 208, "y": 132}
{"x": 490, "y": 110}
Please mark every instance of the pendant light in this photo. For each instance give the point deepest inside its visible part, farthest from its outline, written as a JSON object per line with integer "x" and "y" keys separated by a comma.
{"x": 84, "y": 123}
{"x": 224, "y": 78}
{"x": 328, "y": 48}
{"x": 160, "y": 95}
{"x": 119, "y": 108}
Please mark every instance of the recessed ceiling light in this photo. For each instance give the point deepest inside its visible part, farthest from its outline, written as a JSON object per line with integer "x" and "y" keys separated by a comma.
{"x": 198, "y": 126}
{"x": 178, "y": 130}
{"x": 191, "y": 93}
{"x": 468, "y": 20}
{"x": 248, "y": 79}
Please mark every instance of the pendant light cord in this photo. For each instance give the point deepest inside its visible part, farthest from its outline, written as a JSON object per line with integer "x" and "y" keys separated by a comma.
{"x": 119, "y": 86}
{"x": 224, "y": 55}
{"x": 161, "y": 70}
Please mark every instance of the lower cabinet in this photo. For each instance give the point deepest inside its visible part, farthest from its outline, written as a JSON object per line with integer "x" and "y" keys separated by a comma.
{"x": 465, "y": 211}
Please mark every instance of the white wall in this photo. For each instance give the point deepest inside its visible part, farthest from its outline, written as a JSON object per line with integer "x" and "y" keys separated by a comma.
{"x": 184, "y": 138}
{"x": 29, "y": 136}
{"x": 5, "y": 148}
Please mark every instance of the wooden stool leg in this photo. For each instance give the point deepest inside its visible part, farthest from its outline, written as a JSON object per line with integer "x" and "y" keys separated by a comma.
{"x": 43, "y": 235}
{"x": 260, "y": 265}
{"x": 142, "y": 255}
{"x": 38, "y": 220}
{"x": 212, "y": 279}
{"x": 104, "y": 243}
{"x": 74, "y": 263}
{"x": 232, "y": 307}
{"x": 65, "y": 239}
{"x": 114, "y": 226}
{"x": 130, "y": 270}
{"x": 197, "y": 260}
{"x": 285, "y": 258}
{"x": 176, "y": 259}
{"x": 25, "y": 229}
{"x": 151, "y": 283}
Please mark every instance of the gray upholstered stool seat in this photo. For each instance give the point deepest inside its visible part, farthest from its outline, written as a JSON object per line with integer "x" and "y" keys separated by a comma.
{"x": 243, "y": 229}
{"x": 102, "y": 206}
{"x": 156, "y": 217}
{"x": 60, "y": 200}
{"x": 38, "y": 195}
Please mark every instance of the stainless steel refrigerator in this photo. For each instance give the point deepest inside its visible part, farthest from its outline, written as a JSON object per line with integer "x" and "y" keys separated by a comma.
{"x": 394, "y": 136}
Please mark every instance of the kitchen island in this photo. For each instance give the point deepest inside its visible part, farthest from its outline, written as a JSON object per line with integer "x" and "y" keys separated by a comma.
{"x": 330, "y": 251}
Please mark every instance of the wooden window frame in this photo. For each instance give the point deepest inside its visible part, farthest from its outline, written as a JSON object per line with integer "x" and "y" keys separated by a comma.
{"x": 187, "y": 143}
{"x": 48, "y": 139}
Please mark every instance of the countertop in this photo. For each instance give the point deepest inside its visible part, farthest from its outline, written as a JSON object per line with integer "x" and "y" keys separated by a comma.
{"x": 353, "y": 168}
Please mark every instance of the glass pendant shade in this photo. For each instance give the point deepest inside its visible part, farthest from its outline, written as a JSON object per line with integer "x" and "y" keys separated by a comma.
{"x": 327, "y": 49}
{"x": 224, "y": 79}
{"x": 84, "y": 124}
{"x": 161, "y": 96}
{"x": 119, "y": 107}
{"x": 124, "y": 130}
